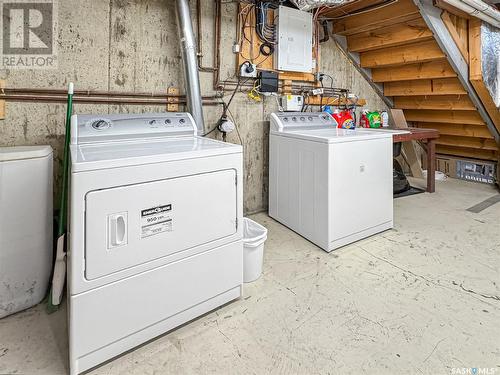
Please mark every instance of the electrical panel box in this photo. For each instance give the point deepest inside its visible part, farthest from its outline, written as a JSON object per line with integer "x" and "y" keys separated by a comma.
{"x": 292, "y": 103}
{"x": 294, "y": 40}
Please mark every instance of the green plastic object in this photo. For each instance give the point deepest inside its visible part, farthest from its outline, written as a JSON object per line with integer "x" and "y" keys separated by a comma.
{"x": 62, "y": 220}
{"x": 374, "y": 119}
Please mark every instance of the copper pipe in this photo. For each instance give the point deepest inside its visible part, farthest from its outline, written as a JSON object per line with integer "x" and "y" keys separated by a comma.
{"x": 95, "y": 100}
{"x": 201, "y": 68}
{"x": 217, "y": 27}
{"x": 90, "y": 93}
{"x": 22, "y": 90}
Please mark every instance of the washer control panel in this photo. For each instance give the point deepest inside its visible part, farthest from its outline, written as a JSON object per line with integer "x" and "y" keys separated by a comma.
{"x": 281, "y": 121}
{"x": 101, "y": 128}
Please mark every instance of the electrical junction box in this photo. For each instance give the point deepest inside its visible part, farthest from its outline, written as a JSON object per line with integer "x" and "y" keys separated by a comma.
{"x": 248, "y": 69}
{"x": 268, "y": 81}
{"x": 294, "y": 40}
{"x": 292, "y": 103}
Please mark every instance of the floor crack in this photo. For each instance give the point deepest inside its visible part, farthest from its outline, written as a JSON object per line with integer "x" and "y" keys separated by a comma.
{"x": 496, "y": 298}
{"x": 434, "y": 349}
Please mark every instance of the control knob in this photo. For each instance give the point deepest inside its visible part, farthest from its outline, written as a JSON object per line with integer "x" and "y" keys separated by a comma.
{"x": 101, "y": 124}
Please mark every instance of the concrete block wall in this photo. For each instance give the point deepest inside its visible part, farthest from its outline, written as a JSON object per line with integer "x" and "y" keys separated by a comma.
{"x": 132, "y": 45}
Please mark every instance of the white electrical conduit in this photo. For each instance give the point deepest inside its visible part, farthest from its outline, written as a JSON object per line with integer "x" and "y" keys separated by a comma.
{"x": 479, "y": 9}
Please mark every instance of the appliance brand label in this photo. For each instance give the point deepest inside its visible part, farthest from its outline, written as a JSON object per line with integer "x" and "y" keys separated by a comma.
{"x": 156, "y": 220}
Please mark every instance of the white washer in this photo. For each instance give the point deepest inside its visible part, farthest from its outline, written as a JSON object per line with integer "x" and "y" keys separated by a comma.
{"x": 155, "y": 234}
{"x": 332, "y": 186}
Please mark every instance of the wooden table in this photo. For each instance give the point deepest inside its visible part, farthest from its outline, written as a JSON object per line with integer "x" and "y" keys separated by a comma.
{"x": 428, "y": 136}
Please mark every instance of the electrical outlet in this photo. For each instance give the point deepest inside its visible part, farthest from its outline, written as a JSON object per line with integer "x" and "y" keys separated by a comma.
{"x": 248, "y": 70}
{"x": 318, "y": 91}
{"x": 236, "y": 48}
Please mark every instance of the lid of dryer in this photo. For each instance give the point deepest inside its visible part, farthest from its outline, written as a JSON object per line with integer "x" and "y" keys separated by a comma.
{"x": 24, "y": 152}
{"x": 111, "y": 141}
{"x": 127, "y": 153}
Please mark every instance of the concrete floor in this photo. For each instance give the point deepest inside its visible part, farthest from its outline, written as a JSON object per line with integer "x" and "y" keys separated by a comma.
{"x": 420, "y": 299}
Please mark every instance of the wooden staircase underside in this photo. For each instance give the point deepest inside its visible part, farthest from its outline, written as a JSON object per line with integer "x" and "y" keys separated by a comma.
{"x": 402, "y": 57}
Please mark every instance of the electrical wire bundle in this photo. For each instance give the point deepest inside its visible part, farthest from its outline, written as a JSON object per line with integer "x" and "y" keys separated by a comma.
{"x": 264, "y": 24}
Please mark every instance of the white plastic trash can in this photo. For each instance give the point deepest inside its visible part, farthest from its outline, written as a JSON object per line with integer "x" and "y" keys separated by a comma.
{"x": 254, "y": 236}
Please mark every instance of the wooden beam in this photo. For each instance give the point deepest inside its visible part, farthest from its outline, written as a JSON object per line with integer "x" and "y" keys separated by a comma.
{"x": 173, "y": 102}
{"x": 401, "y": 11}
{"x": 454, "y": 102}
{"x": 476, "y": 143}
{"x": 445, "y": 6}
{"x": 395, "y": 35}
{"x": 438, "y": 86}
{"x": 463, "y": 130}
{"x": 334, "y": 101}
{"x": 449, "y": 117}
{"x": 348, "y": 8}
{"x": 467, "y": 152}
{"x": 287, "y": 87}
{"x": 428, "y": 70}
{"x": 295, "y": 76}
{"x": 475, "y": 69}
{"x": 458, "y": 32}
{"x": 408, "y": 54}
{"x": 487, "y": 101}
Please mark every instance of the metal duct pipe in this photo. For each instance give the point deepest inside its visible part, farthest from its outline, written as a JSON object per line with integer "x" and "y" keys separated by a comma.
{"x": 189, "y": 57}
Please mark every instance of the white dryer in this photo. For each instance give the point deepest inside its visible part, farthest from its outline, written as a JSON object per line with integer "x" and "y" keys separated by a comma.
{"x": 155, "y": 234}
{"x": 332, "y": 186}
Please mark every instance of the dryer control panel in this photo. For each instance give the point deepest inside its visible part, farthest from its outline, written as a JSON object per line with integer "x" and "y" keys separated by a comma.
{"x": 105, "y": 128}
{"x": 282, "y": 121}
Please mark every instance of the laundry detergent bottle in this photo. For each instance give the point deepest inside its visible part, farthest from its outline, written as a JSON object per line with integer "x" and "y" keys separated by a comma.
{"x": 363, "y": 120}
{"x": 344, "y": 119}
{"x": 374, "y": 119}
